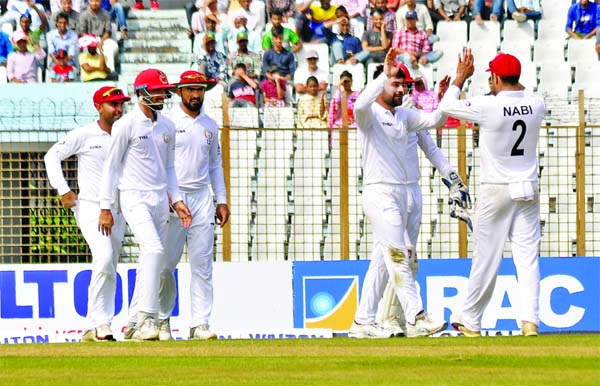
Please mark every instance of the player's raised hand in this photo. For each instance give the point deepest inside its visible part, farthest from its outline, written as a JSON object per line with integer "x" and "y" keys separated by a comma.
{"x": 443, "y": 86}
{"x": 183, "y": 213}
{"x": 389, "y": 66}
{"x": 222, "y": 214}
{"x": 68, "y": 199}
{"x": 465, "y": 67}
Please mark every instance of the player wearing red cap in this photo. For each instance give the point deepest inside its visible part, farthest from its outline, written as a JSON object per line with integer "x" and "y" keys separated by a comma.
{"x": 198, "y": 167}
{"x": 140, "y": 162}
{"x": 508, "y": 205}
{"x": 90, "y": 143}
{"x": 383, "y": 125}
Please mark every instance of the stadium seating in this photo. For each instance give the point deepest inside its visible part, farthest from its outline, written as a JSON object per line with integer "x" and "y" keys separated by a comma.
{"x": 555, "y": 10}
{"x": 523, "y": 33}
{"x": 521, "y": 51}
{"x": 358, "y": 75}
{"x": 579, "y": 51}
{"x": 548, "y": 52}
{"x": 552, "y": 29}
{"x": 555, "y": 80}
{"x": 455, "y": 31}
{"x": 487, "y": 33}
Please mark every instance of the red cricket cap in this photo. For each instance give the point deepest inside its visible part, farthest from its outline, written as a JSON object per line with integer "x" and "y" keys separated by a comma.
{"x": 151, "y": 79}
{"x": 505, "y": 65}
{"x": 110, "y": 94}
{"x": 407, "y": 77}
{"x": 195, "y": 78}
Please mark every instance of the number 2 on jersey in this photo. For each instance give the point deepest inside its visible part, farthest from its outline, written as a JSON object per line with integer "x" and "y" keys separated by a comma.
{"x": 515, "y": 149}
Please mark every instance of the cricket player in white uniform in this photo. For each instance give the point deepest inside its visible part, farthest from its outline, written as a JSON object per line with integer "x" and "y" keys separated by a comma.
{"x": 140, "y": 162}
{"x": 508, "y": 205}
{"x": 90, "y": 144}
{"x": 198, "y": 167}
{"x": 382, "y": 128}
{"x": 392, "y": 315}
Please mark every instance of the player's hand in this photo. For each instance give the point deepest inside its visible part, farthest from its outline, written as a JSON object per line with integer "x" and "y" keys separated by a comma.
{"x": 183, "y": 213}
{"x": 106, "y": 222}
{"x": 222, "y": 214}
{"x": 461, "y": 214}
{"x": 389, "y": 65}
{"x": 443, "y": 86}
{"x": 459, "y": 192}
{"x": 466, "y": 65}
{"x": 68, "y": 199}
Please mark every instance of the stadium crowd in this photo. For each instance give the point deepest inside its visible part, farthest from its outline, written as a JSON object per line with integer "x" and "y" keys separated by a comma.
{"x": 254, "y": 48}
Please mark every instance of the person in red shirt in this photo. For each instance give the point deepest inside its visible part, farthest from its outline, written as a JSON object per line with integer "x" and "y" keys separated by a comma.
{"x": 62, "y": 71}
{"x": 273, "y": 88}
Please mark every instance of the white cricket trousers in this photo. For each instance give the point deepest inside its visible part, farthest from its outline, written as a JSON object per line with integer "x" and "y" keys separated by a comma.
{"x": 386, "y": 207}
{"x": 498, "y": 217}
{"x": 105, "y": 255}
{"x": 200, "y": 240}
{"x": 146, "y": 213}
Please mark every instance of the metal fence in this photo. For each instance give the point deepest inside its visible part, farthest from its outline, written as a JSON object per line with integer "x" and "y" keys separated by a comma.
{"x": 295, "y": 194}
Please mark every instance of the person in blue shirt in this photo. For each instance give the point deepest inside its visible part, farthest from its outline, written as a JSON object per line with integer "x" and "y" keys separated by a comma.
{"x": 582, "y": 20}
{"x": 116, "y": 12}
{"x": 279, "y": 56}
{"x": 5, "y": 48}
{"x": 345, "y": 48}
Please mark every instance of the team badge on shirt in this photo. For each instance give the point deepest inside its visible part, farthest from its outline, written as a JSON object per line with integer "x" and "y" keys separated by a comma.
{"x": 209, "y": 137}
{"x": 166, "y": 138}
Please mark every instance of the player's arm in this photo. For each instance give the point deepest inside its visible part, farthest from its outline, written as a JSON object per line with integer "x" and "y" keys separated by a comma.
{"x": 178, "y": 205}
{"x": 60, "y": 151}
{"x": 217, "y": 179}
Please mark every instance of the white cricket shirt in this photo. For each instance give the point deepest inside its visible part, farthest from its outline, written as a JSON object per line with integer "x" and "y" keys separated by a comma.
{"x": 140, "y": 157}
{"x": 509, "y": 125}
{"x": 198, "y": 153}
{"x": 383, "y": 135}
{"x": 90, "y": 144}
{"x": 433, "y": 153}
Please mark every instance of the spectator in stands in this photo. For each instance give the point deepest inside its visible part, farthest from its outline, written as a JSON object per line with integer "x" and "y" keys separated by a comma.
{"x": 252, "y": 12}
{"x": 208, "y": 11}
{"x": 212, "y": 62}
{"x": 96, "y": 21}
{"x": 310, "y": 19}
{"x": 242, "y": 89}
{"x": 57, "y": 6}
{"x": 220, "y": 38}
{"x": 424, "y": 22}
{"x": 312, "y": 109}
{"x": 35, "y": 12}
{"x": 414, "y": 44}
{"x": 291, "y": 41}
{"x": 582, "y": 20}
{"x": 254, "y": 38}
{"x": 62, "y": 71}
{"x": 451, "y": 10}
{"x": 34, "y": 34}
{"x": 522, "y": 10}
{"x": 389, "y": 17}
{"x": 139, "y": 5}
{"x": 116, "y": 12}
{"x": 62, "y": 38}
{"x": 5, "y": 48}
{"x": 66, "y": 6}
{"x": 355, "y": 8}
{"x": 483, "y": 7}
{"x": 377, "y": 40}
{"x": 92, "y": 62}
{"x": 311, "y": 70}
{"x": 273, "y": 88}
{"x": 250, "y": 59}
{"x": 287, "y": 9}
{"x": 21, "y": 65}
{"x": 281, "y": 57}
{"x": 356, "y": 27}
{"x": 335, "y": 107}
{"x": 345, "y": 48}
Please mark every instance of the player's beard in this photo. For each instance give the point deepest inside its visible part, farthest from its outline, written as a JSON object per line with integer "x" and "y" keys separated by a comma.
{"x": 397, "y": 99}
{"x": 195, "y": 107}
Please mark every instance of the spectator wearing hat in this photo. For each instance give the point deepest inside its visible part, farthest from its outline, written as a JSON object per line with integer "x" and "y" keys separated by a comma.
{"x": 92, "y": 61}
{"x": 220, "y": 38}
{"x": 241, "y": 25}
{"x": 5, "y": 48}
{"x": 212, "y": 62}
{"x": 414, "y": 44}
{"x": 62, "y": 71}
{"x": 281, "y": 57}
{"x": 66, "y": 6}
{"x": 345, "y": 48}
{"x": 291, "y": 41}
{"x": 312, "y": 106}
{"x": 273, "y": 88}
{"x": 389, "y": 17}
{"x": 21, "y": 65}
{"x": 310, "y": 69}
{"x": 242, "y": 89}
{"x": 378, "y": 39}
{"x": 582, "y": 20}
{"x": 424, "y": 22}
{"x": 243, "y": 55}
{"x": 96, "y": 21}
{"x": 62, "y": 38}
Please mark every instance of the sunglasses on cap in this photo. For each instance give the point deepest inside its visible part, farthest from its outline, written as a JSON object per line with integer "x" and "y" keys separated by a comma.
{"x": 112, "y": 92}
{"x": 197, "y": 77}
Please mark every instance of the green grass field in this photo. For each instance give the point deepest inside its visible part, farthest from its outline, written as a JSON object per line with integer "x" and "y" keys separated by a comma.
{"x": 545, "y": 360}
